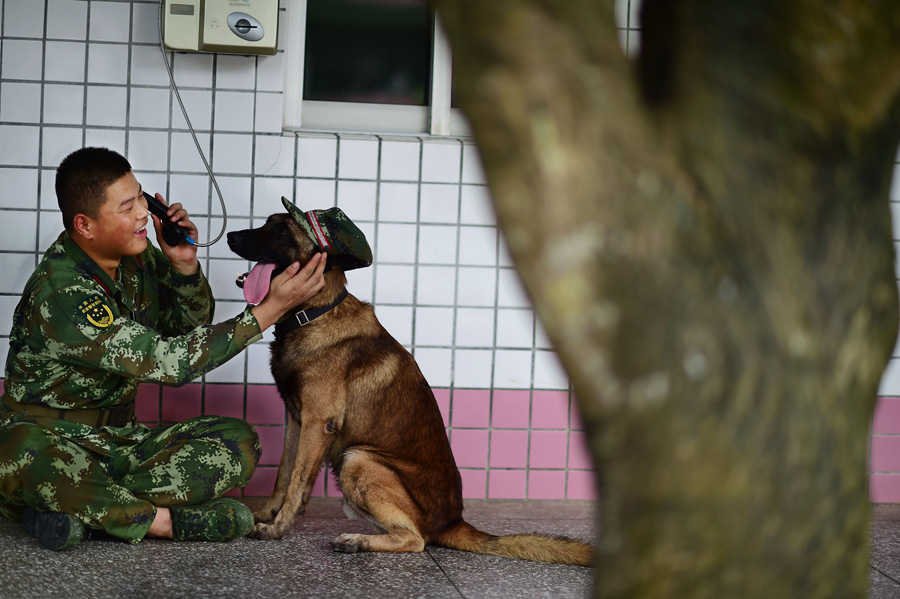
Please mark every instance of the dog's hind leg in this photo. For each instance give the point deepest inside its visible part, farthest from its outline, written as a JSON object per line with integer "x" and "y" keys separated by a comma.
{"x": 276, "y": 499}
{"x": 378, "y": 493}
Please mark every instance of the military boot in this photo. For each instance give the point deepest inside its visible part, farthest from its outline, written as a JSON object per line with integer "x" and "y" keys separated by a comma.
{"x": 53, "y": 530}
{"x": 221, "y": 519}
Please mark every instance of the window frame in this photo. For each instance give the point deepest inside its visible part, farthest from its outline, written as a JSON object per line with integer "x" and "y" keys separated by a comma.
{"x": 438, "y": 118}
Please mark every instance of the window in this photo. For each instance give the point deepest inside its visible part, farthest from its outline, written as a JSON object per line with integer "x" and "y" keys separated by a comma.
{"x": 368, "y": 65}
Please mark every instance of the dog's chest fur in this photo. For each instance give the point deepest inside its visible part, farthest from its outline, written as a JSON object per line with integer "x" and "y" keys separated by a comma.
{"x": 345, "y": 366}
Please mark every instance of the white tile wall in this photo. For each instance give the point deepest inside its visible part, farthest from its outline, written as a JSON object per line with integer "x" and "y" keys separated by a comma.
{"x": 312, "y": 193}
{"x": 109, "y": 21}
{"x": 317, "y": 156}
{"x": 232, "y": 153}
{"x": 66, "y": 19}
{"x": 442, "y": 282}
{"x": 16, "y": 268}
{"x": 358, "y": 198}
{"x": 475, "y": 327}
{"x": 258, "y": 370}
{"x": 441, "y": 162}
{"x": 269, "y": 108}
{"x": 512, "y": 369}
{"x": 149, "y": 150}
{"x": 471, "y": 167}
{"x": 25, "y": 18}
{"x": 22, "y": 59}
{"x": 234, "y": 111}
{"x": 358, "y": 159}
{"x": 478, "y": 246}
{"x": 515, "y": 328}
{"x": 399, "y": 202}
{"x": 274, "y": 156}
{"x": 435, "y": 364}
{"x": 144, "y": 23}
{"x": 64, "y": 61}
{"x": 20, "y": 102}
{"x": 18, "y": 186}
{"x": 477, "y": 287}
{"x": 398, "y": 322}
{"x": 57, "y": 142}
{"x": 235, "y": 72}
{"x": 108, "y": 63}
{"x": 63, "y": 104}
{"x": 190, "y": 70}
{"x": 434, "y": 326}
{"x": 149, "y": 107}
{"x": 107, "y": 106}
{"x": 439, "y": 203}
{"x": 400, "y": 160}
{"x": 437, "y": 244}
{"x": 267, "y": 193}
{"x": 270, "y": 73}
{"x": 436, "y": 286}
{"x": 472, "y": 369}
{"x": 19, "y": 145}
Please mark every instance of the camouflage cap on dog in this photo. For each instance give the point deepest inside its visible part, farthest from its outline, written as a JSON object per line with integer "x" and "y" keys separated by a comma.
{"x": 335, "y": 234}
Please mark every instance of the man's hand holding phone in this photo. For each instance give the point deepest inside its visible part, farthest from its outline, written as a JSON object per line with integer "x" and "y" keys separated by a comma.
{"x": 183, "y": 255}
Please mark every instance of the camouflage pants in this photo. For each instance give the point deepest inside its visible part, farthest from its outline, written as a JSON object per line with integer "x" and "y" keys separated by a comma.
{"x": 184, "y": 464}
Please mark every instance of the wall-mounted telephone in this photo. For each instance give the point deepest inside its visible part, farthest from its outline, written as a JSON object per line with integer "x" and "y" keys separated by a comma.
{"x": 223, "y": 26}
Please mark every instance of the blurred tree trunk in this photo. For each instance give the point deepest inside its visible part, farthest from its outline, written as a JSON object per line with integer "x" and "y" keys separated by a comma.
{"x": 705, "y": 233}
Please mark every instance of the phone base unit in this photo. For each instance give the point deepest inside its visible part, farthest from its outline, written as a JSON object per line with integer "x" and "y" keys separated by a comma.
{"x": 221, "y": 26}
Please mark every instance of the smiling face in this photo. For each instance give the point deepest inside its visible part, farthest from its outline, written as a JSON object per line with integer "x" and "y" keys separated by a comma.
{"x": 123, "y": 220}
{"x": 120, "y": 228}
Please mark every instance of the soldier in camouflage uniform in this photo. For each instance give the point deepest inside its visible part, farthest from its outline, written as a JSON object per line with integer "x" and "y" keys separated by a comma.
{"x": 104, "y": 311}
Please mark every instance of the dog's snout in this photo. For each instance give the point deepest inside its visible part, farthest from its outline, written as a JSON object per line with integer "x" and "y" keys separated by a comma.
{"x": 237, "y": 242}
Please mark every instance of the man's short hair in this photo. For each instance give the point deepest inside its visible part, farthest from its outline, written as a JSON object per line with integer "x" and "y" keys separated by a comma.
{"x": 82, "y": 180}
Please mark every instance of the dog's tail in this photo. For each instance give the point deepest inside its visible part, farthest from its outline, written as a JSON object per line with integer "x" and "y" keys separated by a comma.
{"x": 535, "y": 547}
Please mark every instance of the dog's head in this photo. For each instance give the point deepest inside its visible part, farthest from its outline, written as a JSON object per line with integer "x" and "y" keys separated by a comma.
{"x": 296, "y": 237}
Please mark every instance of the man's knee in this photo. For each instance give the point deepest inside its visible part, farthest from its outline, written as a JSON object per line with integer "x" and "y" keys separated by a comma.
{"x": 245, "y": 439}
{"x": 20, "y": 444}
{"x": 35, "y": 462}
{"x": 21, "y": 440}
{"x": 239, "y": 438}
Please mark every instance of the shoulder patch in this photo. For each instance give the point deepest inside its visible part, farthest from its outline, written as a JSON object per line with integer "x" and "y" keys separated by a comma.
{"x": 96, "y": 311}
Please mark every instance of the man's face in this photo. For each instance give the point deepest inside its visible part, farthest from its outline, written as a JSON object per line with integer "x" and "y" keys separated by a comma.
{"x": 121, "y": 227}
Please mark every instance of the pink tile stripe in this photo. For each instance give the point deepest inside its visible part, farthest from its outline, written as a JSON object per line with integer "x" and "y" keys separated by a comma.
{"x": 884, "y": 455}
{"x": 887, "y": 416}
{"x": 508, "y": 443}
{"x": 181, "y": 403}
{"x": 510, "y": 409}
{"x": 471, "y": 408}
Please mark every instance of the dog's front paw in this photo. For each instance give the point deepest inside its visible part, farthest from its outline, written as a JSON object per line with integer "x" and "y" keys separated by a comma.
{"x": 349, "y": 543}
{"x": 266, "y": 532}
{"x": 264, "y": 515}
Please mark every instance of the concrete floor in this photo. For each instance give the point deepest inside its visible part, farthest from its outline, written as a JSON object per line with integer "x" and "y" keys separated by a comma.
{"x": 303, "y": 565}
{"x": 885, "y": 566}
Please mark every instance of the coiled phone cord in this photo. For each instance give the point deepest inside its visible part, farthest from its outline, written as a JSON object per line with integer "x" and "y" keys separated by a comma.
{"x": 212, "y": 177}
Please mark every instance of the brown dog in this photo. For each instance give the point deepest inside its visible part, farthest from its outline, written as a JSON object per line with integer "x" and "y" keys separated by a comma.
{"x": 356, "y": 397}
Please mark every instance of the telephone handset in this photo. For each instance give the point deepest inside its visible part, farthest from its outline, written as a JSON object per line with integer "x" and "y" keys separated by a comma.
{"x": 172, "y": 234}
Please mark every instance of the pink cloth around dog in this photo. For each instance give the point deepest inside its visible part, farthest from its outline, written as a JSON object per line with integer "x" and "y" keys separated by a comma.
{"x": 256, "y": 285}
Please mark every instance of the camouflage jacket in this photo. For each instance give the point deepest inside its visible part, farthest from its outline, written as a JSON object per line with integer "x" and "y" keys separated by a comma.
{"x": 82, "y": 340}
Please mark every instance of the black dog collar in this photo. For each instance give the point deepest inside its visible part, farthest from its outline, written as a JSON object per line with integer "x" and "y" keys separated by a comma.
{"x": 303, "y": 317}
